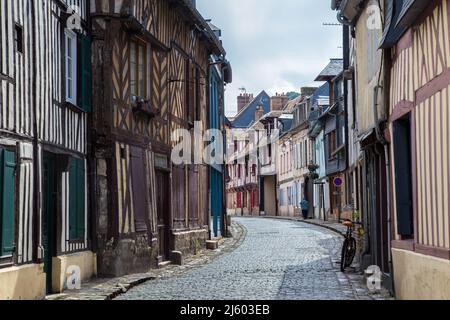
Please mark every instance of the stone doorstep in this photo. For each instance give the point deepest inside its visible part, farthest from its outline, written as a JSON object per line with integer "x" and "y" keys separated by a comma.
{"x": 212, "y": 244}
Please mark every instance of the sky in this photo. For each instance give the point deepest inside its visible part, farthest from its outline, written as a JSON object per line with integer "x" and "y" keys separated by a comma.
{"x": 274, "y": 45}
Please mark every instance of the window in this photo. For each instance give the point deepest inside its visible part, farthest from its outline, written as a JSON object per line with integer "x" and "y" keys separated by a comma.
{"x": 77, "y": 201}
{"x": 7, "y": 209}
{"x": 192, "y": 87}
{"x": 18, "y": 38}
{"x": 331, "y": 144}
{"x": 140, "y": 79}
{"x": 245, "y": 202}
{"x": 403, "y": 180}
{"x": 71, "y": 66}
{"x": 306, "y": 153}
{"x": 78, "y": 70}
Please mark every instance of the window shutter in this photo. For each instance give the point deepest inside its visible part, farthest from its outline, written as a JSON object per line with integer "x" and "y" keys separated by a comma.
{"x": 86, "y": 73}
{"x": 403, "y": 181}
{"x": 73, "y": 200}
{"x": 139, "y": 189}
{"x": 77, "y": 199}
{"x": 81, "y": 194}
{"x": 8, "y": 166}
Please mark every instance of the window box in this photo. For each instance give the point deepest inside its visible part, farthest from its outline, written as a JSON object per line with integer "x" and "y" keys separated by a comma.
{"x": 144, "y": 107}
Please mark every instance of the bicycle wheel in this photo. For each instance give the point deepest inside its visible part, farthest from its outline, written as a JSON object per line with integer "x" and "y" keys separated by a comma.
{"x": 350, "y": 252}
{"x": 344, "y": 254}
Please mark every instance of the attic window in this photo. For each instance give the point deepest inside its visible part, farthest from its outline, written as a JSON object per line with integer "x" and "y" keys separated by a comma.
{"x": 18, "y": 38}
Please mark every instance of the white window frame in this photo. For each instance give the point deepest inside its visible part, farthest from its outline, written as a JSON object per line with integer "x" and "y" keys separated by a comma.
{"x": 70, "y": 35}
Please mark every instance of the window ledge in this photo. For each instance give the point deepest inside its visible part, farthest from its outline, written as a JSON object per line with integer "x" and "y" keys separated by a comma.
{"x": 69, "y": 105}
{"x": 408, "y": 245}
{"x": 75, "y": 241}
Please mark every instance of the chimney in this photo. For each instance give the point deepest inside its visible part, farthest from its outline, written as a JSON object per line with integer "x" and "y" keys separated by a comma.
{"x": 244, "y": 99}
{"x": 278, "y": 101}
{"x": 259, "y": 113}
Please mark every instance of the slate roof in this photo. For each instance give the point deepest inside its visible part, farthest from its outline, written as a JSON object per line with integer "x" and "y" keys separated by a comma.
{"x": 247, "y": 115}
{"x": 334, "y": 67}
{"x": 399, "y": 16}
{"x": 208, "y": 32}
{"x": 292, "y": 103}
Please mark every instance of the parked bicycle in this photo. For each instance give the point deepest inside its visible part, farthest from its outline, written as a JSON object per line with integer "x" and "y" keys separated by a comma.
{"x": 349, "y": 246}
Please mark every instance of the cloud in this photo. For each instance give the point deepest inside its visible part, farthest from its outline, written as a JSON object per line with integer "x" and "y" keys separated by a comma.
{"x": 273, "y": 45}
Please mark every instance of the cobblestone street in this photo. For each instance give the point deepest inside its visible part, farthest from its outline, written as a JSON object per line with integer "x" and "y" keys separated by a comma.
{"x": 277, "y": 260}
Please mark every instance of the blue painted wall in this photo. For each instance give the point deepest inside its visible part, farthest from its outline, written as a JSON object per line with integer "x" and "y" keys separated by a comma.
{"x": 216, "y": 172}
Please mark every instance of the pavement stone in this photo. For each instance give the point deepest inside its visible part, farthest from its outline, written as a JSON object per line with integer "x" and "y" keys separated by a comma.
{"x": 107, "y": 289}
{"x": 276, "y": 260}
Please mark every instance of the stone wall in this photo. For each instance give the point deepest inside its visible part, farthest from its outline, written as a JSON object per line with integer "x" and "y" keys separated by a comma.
{"x": 127, "y": 256}
{"x": 117, "y": 257}
{"x": 190, "y": 242}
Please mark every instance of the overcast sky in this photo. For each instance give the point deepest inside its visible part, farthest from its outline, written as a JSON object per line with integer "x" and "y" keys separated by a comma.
{"x": 274, "y": 45}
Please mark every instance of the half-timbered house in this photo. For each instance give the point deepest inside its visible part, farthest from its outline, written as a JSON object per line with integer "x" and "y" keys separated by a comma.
{"x": 45, "y": 105}
{"x": 150, "y": 73}
{"x": 417, "y": 46}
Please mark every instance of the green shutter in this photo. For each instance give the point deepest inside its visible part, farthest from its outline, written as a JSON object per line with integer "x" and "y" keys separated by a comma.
{"x": 76, "y": 199}
{"x": 86, "y": 73}
{"x": 8, "y": 166}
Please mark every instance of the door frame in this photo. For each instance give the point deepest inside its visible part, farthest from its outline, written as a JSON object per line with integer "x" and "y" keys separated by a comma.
{"x": 167, "y": 218}
{"x": 52, "y": 219}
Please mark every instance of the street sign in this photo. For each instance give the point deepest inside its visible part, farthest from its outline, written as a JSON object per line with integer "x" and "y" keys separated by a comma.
{"x": 337, "y": 182}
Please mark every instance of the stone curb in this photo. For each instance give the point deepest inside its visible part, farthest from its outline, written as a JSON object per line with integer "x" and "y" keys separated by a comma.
{"x": 108, "y": 289}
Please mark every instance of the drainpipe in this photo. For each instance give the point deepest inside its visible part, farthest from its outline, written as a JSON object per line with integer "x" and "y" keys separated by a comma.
{"x": 38, "y": 254}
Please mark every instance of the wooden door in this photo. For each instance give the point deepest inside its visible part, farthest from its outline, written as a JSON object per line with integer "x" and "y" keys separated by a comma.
{"x": 49, "y": 216}
{"x": 163, "y": 207}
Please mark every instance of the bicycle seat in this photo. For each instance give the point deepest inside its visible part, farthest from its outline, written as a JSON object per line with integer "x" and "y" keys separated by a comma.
{"x": 348, "y": 224}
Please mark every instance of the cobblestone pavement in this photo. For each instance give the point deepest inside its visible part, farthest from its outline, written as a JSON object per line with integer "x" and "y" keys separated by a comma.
{"x": 107, "y": 289}
{"x": 277, "y": 260}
